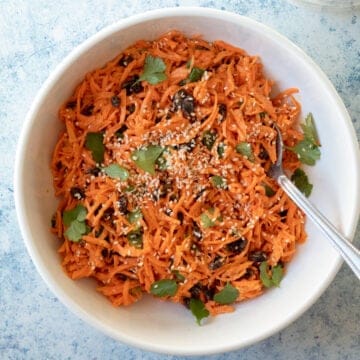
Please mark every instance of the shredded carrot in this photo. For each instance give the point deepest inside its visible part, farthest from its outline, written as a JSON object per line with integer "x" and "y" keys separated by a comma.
{"x": 232, "y": 102}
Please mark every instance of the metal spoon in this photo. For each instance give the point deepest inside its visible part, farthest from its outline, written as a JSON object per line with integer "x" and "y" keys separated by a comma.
{"x": 350, "y": 254}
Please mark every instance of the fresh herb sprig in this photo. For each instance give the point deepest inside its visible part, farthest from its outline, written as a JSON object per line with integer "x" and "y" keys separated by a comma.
{"x": 154, "y": 70}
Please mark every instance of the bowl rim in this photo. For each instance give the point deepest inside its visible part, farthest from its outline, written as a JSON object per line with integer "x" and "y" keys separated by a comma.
{"x": 29, "y": 122}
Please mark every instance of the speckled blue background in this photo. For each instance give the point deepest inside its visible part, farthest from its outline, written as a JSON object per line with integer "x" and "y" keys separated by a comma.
{"x": 34, "y": 37}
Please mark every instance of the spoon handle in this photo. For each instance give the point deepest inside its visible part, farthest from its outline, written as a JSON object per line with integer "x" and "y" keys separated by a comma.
{"x": 350, "y": 253}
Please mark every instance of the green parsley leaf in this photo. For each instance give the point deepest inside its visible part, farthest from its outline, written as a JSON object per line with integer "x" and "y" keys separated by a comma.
{"x": 178, "y": 275}
{"x": 218, "y": 182}
{"x": 309, "y": 129}
{"x": 135, "y": 238}
{"x": 301, "y": 181}
{"x": 116, "y": 171}
{"x": 146, "y": 157}
{"x": 94, "y": 143}
{"x": 208, "y": 139}
{"x": 274, "y": 280}
{"x": 195, "y": 74}
{"x": 199, "y": 310}
{"x": 269, "y": 191}
{"x": 306, "y": 151}
{"x": 227, "y": 295}
{"x": 134, "y": 216}
{"x": 154, "y": 70}
{"x": 74, "y": 219}
{"x": 244, "y": 148}
{"x": 79, "y": 213}
{"x": 164, "y": 287}
{"x": 220, "y": 150}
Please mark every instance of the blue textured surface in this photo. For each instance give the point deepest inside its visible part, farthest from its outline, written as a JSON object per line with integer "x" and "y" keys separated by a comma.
{"x": 34, "y": 37}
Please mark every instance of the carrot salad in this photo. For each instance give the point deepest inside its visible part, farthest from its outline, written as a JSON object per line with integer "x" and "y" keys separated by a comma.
{"x": 161, "y": 172}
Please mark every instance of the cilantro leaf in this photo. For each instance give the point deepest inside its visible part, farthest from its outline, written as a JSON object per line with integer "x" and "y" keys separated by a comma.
{"x": 154, "y": 70}
{"x": 227, "y": 295}
{"x": 195, "y": 74}
{"x": 309, "y": 130}
{"x": 178, "y": 275}
{"x": 164, "y": 287}
{"x": 274, "y": 280}
{"x": 264, "y": 277}
{"x": 218, "y": 182}
{"x": 134, "y": 216}
{"x": 301, "y": 181}
{"x": 198, "y": 309}
{"x": 116, "y": 171}
{"x": 306, "y": 151}
{"x": 76, "y": 230}
{"x": 206, "y": 221}
{"x": 94, "y": 143}
{"x": 135, "y": 238}
{"x": 220, "y": 150}
{"x": 79, "y": 213}
{"x": 277, "y": 274}
{"x": 146, "y": 157}
{"x": 269, "y": 191}
{"x": 244, "y": 148}
{"x": 209, "y": 138}
{"x": 74, "y": 219}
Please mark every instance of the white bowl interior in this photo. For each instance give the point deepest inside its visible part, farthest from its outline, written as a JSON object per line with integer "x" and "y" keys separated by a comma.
{"x": 166, "y": 327}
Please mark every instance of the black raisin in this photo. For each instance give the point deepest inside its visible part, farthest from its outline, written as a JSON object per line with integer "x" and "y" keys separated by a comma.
{"x": 237, "y": 246}
{"x": 121, "y": 276}
{"x": 248, "y": 273}
{"x": 186, "y": 301}
{"x": 283, "y": 213}
{"x": 120, "y": 133}
{"x": 257, "y": 256}
{"x": 263, "y": 154}
{"x": 87, "y": 110}
{"x": 130, "y": 108}
{"x": 58, "y": 165}
{"x": 188, "y": 107}
{"x": 209, "y": 292}
{"x": 195, "y": 291}
{"x": 123, "y": 204}
{"x": 95, "y": 171}
{"x": 180, "y": 217}
{"x": 104, "y": 253}
{"x": 168, "y": 212}
{"x": 125, "y": 60}
{"x": 115, "y": 101}
{"x": 108, "y": 213}
{"x": 216, "y": 263}
{"x": 71, "y": 104}
{"x": 196, "y": 231}
{"x": 132, "y": 85}
{"x": 77, "y": 193}
{"x": 222, "y": 112}
{"x": 53, "y": 221}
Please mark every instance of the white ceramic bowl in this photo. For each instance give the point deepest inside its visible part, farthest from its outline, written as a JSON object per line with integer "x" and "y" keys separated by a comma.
{"x": 170, "y": 328}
